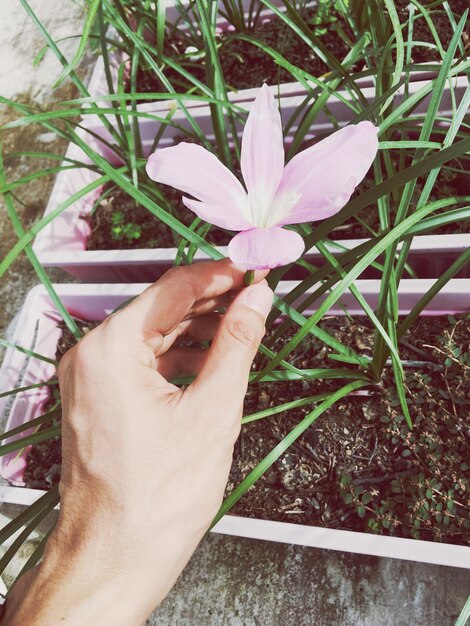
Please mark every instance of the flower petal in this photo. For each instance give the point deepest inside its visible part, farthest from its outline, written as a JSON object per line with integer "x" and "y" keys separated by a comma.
{"x": 194, "y": 170}
{"x": 319, "y": 181}
{"x": 265, "y": 248}
{"x": 262, "y": 155}
{"x": 214, "y": 214}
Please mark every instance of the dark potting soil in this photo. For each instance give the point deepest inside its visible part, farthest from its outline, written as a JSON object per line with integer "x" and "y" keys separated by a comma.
{"x": 245, "y": 65}
{"x": 44, "y": 462}
{"x": 422, "y": 33}
{"x": 121, "y": 223}
{"x": 358, "y": 467}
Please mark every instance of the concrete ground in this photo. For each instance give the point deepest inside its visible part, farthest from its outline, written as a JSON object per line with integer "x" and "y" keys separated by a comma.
{"x": 229, "y": 581}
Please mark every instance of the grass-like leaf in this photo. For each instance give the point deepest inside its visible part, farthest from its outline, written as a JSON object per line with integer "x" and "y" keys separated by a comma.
{"x": 92, "y": 10}
{"x": 276, "y": 452}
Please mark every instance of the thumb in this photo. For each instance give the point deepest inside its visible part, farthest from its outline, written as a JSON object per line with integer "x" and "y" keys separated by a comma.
{"x": 226, "y": 370}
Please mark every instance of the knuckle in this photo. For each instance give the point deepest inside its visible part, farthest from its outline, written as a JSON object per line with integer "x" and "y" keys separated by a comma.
{"x": 183, "y": 276}
{"x": 64, "y": 364}
{"x": 180, "y": 273}
{"x": 81, "y": 352}
{"x": 172, "y": 273}
{"x": 88, "y": 350}
{"x": 244, "y": 332}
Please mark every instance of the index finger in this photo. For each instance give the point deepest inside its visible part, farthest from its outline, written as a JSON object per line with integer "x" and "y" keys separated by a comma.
{"x": 163, "y": 305}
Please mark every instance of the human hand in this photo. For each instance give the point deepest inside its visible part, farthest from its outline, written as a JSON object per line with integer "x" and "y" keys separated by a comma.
{"x": 145, "y": 463}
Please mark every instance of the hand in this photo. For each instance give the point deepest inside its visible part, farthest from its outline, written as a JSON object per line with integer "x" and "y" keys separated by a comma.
{"x": 145, "y": 463}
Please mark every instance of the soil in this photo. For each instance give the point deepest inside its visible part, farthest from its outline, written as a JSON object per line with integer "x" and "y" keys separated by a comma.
{"x": 443, "y": 27}
{"x": 358, "y": 467}
{"x": 245, "y": 65}
{"x": 121, "y": 223}
{"x": 44, "y": 460}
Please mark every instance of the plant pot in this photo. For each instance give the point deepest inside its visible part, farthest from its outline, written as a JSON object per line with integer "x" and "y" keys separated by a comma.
{"x": 99, "y": 86}
{"x": 62, "y": 243}
{"x": 36, "y": 329}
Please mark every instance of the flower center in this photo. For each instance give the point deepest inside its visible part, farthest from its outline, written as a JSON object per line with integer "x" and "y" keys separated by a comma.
{"x": 278, "y": 209}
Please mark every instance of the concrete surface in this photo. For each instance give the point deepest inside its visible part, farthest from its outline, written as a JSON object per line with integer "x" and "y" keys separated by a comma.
{"x": 20, "y": 42}
{"x": 229, "y": 581}
{"x": 242, "y": 582}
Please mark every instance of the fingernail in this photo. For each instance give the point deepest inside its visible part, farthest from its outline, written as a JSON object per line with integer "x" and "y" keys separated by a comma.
{"x": 259, "y": 298}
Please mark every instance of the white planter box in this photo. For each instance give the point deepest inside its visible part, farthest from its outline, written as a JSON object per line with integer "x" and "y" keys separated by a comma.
{"x": 36, "y": 329}
{"x": 62, "y": 243}
{"x": 98, "y": 86}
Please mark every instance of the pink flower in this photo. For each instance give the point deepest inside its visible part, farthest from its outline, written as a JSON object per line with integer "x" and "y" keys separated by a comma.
{"x": 314, "y": 185}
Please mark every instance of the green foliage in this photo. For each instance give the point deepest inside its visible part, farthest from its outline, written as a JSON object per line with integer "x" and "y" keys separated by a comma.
{"x": 427, "y": 499}
{"x": 326, "y": 16}
{"x": 124, "y": 230}
{"x": 464, "y": 616}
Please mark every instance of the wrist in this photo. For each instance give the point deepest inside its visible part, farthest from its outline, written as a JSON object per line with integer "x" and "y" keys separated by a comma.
{"x": 79, "y": 582}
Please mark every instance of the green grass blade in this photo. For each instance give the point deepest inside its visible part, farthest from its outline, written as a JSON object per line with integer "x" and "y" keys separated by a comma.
{"x": 287, "y": 406}
{"x": 29, "y": 440}
{"x": 48, "y": 500}
{"x": 398, "y": 373}
{"x": 92, "y": 10}
{"x": 275, "y": 376}
{"x": 276, "y": 452}
{"x": 41, "y": 357}
{"x": 400, "y": 48}
{"x": 449, "y": 217}
{"x": 37, "y": 421}
{"x": 12, "y": 392}
{"x": 24, "y": 534}
{"x": 456, "y": 266}
{"x": 464, "y": 616}
{"x": 361, "y": 300}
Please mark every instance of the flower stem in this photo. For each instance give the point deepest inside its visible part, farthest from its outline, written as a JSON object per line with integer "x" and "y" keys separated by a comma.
{"x": 249, "y": 277}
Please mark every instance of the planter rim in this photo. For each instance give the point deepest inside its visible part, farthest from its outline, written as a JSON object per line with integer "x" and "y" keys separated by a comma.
{"x": 309, "y": 536}
{"x": 421, "y": 244}
{"x": 417, "y": 286}
{"x": 292, "y": 88}
{"x": 243, "y": 96}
